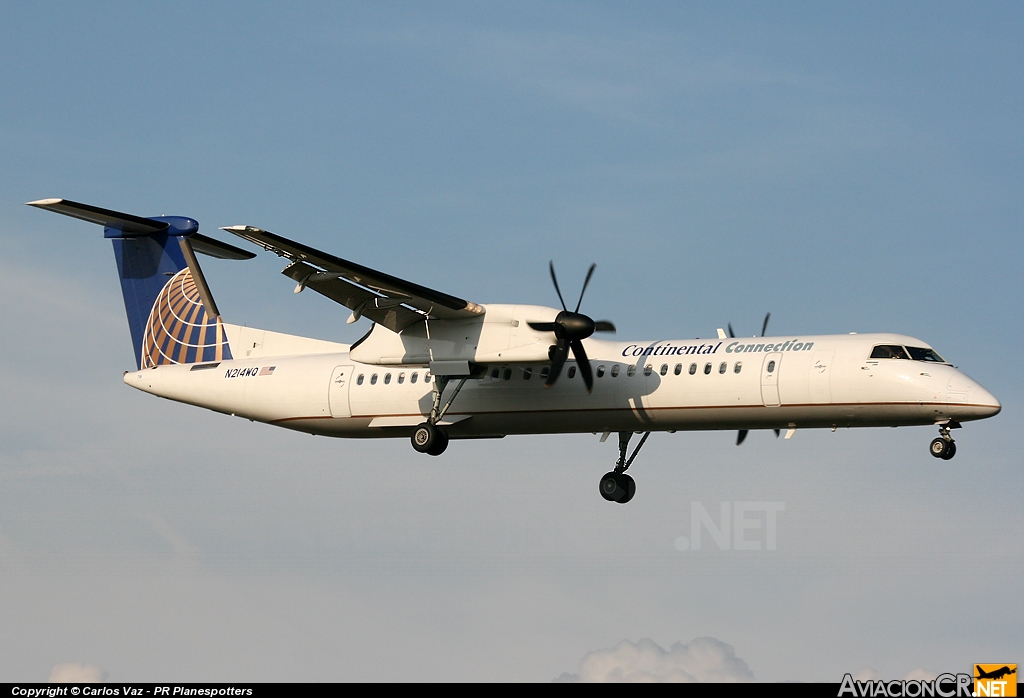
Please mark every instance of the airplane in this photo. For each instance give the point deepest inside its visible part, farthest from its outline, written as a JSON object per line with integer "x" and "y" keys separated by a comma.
{"x": 435, "y": 368}
{"x": 996, "y": 674}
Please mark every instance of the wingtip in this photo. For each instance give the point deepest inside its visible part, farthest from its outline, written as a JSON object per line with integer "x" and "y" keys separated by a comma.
{"x": 43, "y": 202}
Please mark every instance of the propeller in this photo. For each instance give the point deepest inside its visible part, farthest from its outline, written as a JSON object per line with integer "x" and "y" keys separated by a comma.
{"x": 570, "y": 328}
{"x": 741, "y": 435}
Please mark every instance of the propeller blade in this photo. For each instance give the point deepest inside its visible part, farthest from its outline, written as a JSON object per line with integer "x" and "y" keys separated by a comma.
{"x": 584, "y": 363}
{"x": 590, "y": 272}
{"x": 733, "y": 335}
{"x": 604, "y": 326}
{"x": 741, "y": 435}
{"x": 764, "y": 327}
{"x": 554, "y": 279}
{"x": 559, "y": 355}
{"x": 544, "y": 326}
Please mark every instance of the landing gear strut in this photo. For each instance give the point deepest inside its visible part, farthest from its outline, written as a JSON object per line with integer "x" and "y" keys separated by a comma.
{"x": 944, "y": 447}
{"x": 616, "y": 486}
{"x": 428, "y": 437}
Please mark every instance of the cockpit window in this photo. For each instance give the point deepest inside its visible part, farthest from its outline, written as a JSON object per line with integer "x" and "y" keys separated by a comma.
{"x": 889, "y": 351}
{"x": 921, "y": 354}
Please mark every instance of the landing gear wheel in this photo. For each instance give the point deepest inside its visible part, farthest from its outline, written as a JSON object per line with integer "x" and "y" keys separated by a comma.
{"x": 429, "y": 439}
{"x": 941, "y": 448}
{"x": 440, "y": 445}
{"x": 610, "y": 488}
{"x": 617, "y": 487}
{"x": 627, "y": 483}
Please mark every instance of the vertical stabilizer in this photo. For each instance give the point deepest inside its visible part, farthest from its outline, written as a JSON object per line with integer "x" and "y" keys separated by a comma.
{"x": 172, "y": 316}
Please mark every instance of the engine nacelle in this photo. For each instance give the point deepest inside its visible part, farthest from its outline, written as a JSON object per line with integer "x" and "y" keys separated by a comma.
{"x": 500, "y": 335}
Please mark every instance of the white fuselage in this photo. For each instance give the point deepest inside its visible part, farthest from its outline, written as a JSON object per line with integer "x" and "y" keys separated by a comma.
{"x": 814, "y": 382}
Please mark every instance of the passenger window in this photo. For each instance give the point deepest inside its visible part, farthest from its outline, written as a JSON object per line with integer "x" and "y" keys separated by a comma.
{"x": 707, "y": 369}
{"x": 723, "y": 367}
{"x": 771, "y": 367}
{"x": 693, "y": 369}
{"x": 506, "y": 374}
{"x": 527, "y": 373}
{"x": 572, "y": 372}
{"x": 544, "y": 372}
{"x": 401, "y": 378}
{"x": 889, "y": 351}
{"x": 387, "y": 379}
{"x": 738, "y": 367}
{"x": 678, "y": 369}
{"x": 648, "y": 369}
{"x": 426, "y": 377}
{"x": 414, "y": 377}
{"x": 373, "y": 379}
{"x": 600, "y": 371}
{"x": 359, "y": 380}
{"x": 494, "y": 374}
{"x": 664, "y": 369}
{"x": 631, "y": 370}
{"x": 615, "y": 371}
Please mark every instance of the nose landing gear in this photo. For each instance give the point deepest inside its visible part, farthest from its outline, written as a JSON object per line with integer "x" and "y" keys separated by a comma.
{"x": 616, "y": 486}
{"x": 944, "y": 447}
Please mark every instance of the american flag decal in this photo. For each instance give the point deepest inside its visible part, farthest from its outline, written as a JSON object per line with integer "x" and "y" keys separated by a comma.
{"x": 267, "y": 371}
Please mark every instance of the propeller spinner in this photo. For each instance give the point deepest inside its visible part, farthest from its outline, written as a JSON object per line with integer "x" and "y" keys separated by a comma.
{"x": 570, "y": 328}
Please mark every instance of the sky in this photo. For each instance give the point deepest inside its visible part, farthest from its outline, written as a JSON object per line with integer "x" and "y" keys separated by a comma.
{"x": 850, "y": 167}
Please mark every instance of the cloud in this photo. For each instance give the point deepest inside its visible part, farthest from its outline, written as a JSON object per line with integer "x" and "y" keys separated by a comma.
{"x": 76, "y": 672}
{"x": 704, "y": 660}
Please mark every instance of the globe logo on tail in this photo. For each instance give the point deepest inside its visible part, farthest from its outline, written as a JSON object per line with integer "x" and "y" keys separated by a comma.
{"x": 179, "y": 330}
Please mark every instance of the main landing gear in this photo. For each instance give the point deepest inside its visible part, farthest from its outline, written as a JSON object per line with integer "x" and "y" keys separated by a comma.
{"x": 616, "y": 486}
{"x": 428, "y": 437}
{"x": 944, "y": 447}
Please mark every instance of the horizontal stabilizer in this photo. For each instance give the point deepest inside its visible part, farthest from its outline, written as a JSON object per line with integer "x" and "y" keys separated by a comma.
{"x": 125, "y": 222}
{"x": 129, "y": 225}
{"x": 216, "y": 248}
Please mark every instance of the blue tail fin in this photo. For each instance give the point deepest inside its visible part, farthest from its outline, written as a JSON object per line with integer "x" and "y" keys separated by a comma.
{"x": 166, "y": 314}
{"x": 171, "y": 313}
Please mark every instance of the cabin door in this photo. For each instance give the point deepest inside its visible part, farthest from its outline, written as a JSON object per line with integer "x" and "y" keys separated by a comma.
{"x": 820, "y": 382}
{"x": 340, "y": 379}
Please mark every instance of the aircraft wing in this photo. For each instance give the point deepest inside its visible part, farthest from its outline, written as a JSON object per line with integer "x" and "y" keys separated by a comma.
{"x": 385, "y": 299}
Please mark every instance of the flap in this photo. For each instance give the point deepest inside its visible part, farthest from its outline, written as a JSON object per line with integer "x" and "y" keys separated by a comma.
{"x": 360, "y": 300}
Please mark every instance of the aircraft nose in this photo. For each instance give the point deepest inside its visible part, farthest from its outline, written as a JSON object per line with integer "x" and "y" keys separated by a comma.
{"x": 977, "y": 401}
{"x": 984, "y": 402}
